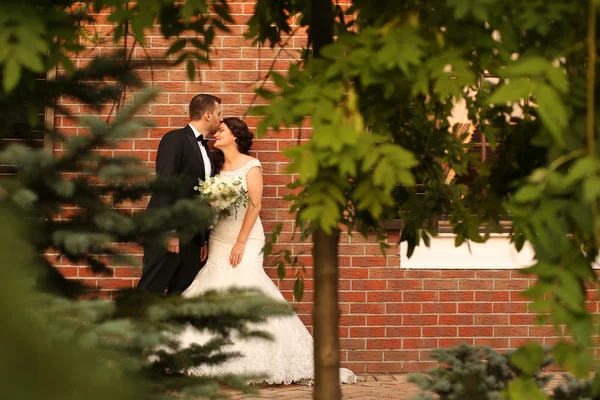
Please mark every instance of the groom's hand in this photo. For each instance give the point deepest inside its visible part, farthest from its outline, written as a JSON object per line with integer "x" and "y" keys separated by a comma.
{"x": 173, "y": 244}
{"x": 204, "y": 252}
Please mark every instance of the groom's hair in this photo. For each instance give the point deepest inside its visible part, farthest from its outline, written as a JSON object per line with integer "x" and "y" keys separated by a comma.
{"x": 202, "y": 103}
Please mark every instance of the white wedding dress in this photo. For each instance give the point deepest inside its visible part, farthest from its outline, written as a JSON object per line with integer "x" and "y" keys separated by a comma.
{"x": 289, "y": 357}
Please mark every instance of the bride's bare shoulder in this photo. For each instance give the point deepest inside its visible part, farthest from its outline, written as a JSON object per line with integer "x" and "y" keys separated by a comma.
{"x": 248, "y": 158}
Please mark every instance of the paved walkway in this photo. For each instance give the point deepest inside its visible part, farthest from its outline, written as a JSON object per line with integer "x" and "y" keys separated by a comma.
{"x": 368, "y": 388}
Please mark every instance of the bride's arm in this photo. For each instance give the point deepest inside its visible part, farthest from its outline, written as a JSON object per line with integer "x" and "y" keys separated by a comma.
{"x": 255, "y": 191}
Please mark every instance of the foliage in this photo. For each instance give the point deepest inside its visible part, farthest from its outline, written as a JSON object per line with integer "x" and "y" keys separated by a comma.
{"x": 73, "y": 204}
{"x": 379, "y": 100}
{"x": 40, "y": 34}
{"x": 98, "y": 349}
{"x": 480, "y": 373}
{"x": 472, "y": 373}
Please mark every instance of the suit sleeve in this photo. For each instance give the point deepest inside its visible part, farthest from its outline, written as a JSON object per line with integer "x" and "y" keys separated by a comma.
{"x": 168, "y": 165}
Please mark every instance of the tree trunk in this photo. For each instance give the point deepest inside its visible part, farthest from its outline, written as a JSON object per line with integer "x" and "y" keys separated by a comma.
{"x": 326, "y": 313}
{"x": 326, "y": 316}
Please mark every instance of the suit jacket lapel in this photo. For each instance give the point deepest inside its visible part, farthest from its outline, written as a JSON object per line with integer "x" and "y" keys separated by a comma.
{"x": 189, "y": 134}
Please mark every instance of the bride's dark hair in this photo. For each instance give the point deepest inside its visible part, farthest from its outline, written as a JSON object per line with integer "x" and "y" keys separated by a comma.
{"x": 243, "y": 139}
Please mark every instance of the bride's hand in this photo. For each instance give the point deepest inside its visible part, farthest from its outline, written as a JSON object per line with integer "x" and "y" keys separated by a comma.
{"x": 236, "y": 254}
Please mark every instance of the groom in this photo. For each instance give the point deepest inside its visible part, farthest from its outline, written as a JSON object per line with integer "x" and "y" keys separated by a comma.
{"x": 182, "y": 154}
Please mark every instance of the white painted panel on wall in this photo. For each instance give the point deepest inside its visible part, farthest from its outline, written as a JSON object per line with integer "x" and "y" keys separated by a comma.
{"x": 496, "y": 253}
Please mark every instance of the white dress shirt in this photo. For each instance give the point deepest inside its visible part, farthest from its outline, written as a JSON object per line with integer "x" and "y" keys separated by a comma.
{"x": 207, "y": 166}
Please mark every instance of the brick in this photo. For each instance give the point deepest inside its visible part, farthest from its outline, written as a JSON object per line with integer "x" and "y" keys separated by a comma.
{"x": 513, "y": 343}
{"x": 352, "y": 297}
{"x": 522, "y": 319}
{"x": 437, "y": 331}
{"x": 369, "y": 261}
{"x": 404, "y": 331}
{"x": 487, "y": 274}
{"x": 383, "y": 367}
{"x": 475, "y": 331}
{"x": 458, "y": 296}
{"x": 496, "y": 343}
{"x": 517, "y": 296}
{"x": 491, "y": 296}
{"x": 353, "y": 344}
{"x": 491, "y": 319}
{"x": 384, "y": 343}
{"x": 475, "y": 308}
{"x": 475, "y": 284}
{"x": 457, "y": 274}
{"x": 509, "y": 307}
{"x": 507, "y": 331}
{"x": 367, "y": 308}
{"x": 418, "y": 296}
{"x": 510, "y": 284}
{"x": 353, "y": 320}
{"x": 405, "y": 308}
{"x": 406, "y": 284}
{"x": 116, "y": 283}
{"x": 354, "y": 273}
{"x": 424, "y": 274}
{"x": 420, "y": 320}
{"x": 358, "y": 355}
{"x": 542, "y": 331}
{"x": 440, "y": 284}
{"x": 384, "y": 320}
{"x": 385, "y": 297}
{"x": 400, "y": 355}
{"x": 456, "y": 320}
{"x": 370, "y": 284}
{"x": 439, "y": 308}
{"x": 372, "y": 332}
{"x": 395, "y": 275}
{"x": 419, "y": 344}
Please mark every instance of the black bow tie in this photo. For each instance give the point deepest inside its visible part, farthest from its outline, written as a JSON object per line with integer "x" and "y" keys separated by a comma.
{"x": 200, "y": 138}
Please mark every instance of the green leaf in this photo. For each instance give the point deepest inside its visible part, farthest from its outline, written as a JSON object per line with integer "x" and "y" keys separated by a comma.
{"x": 528, "y": 358}
{"x": 383, "y": 171}
{"x": 580, "y": 362}
{"x": 298, "y": 289}
{"x": 29, "y": 59}
{"x": 583, "y": 167}
{"x": 538, "y": 175}
{"x": 528, "y": 193}
{"x": 513, "y": 91}
{"x": 527, "y": 66}
{"x": 278, "y": 79}
{"x": 558, "y": 79}
{"x": 569, "y": 290}
{"x": 176, "y": 47}
{"x": 12, "y": 74}
{"x": 281, "y": 270}
{"x": 591, "y": 189}
{"x": 524, "y": 388}
{"x": 561, "y": 352}
{"x": 552, "y": 111}
{"x": 191, "y": 70}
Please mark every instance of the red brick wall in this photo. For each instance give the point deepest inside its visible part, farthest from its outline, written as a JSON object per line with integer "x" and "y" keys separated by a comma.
{"x": 391, "y": 318}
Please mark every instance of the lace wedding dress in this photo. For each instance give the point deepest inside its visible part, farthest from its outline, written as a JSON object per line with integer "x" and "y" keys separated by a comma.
{"x": 289, "y": 357}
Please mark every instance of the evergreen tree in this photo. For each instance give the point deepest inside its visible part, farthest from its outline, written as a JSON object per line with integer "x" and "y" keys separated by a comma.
{"x": 56, "y": 346}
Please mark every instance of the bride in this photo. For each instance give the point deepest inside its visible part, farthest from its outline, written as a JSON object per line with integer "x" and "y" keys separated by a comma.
{"x": 235, "y": 259}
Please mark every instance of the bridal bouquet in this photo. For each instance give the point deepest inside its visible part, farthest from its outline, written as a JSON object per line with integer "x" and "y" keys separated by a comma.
{"x": 222, "y": 192}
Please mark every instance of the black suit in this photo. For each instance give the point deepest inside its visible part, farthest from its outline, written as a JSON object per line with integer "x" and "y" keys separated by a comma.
{"x": 178, "y": 156}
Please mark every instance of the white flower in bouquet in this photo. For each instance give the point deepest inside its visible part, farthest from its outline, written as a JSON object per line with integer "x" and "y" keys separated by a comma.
{"x": 222, "y": 192}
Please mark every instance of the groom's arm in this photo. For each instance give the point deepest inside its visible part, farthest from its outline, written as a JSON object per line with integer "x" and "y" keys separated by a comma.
{"x": 168, "y": 165}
